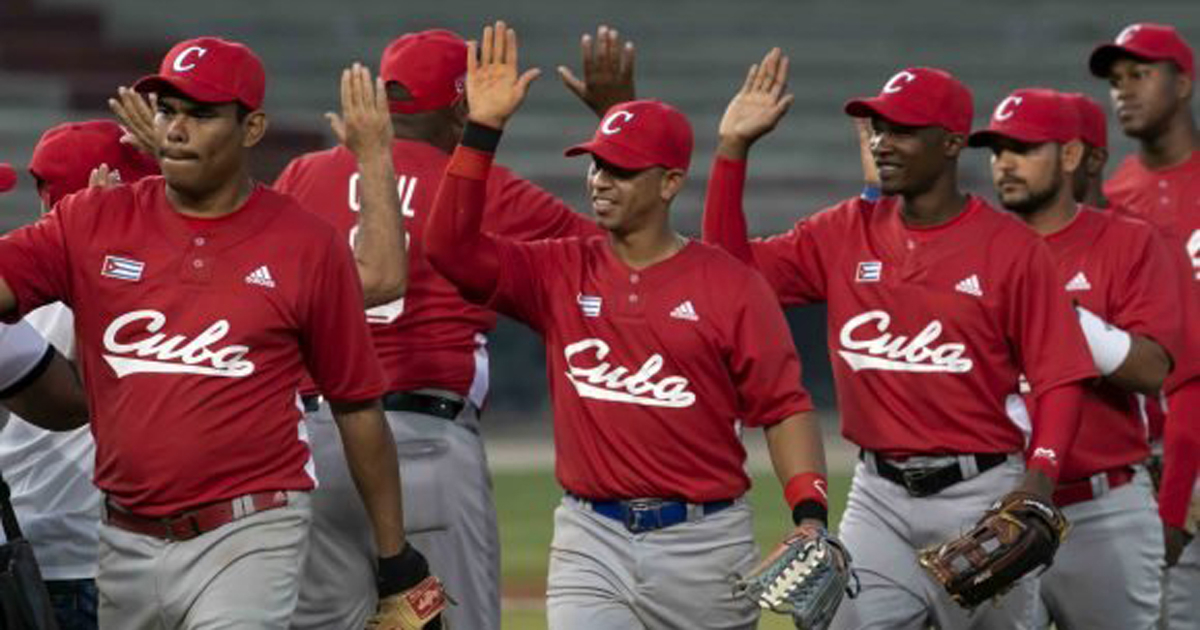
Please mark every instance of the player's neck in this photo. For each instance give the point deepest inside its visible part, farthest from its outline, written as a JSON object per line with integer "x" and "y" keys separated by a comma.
{"x": 936, "y": 205}
{"x": 1173, "y": 146}
{"x": 217, "y": 203}
{"x": 1057, "y": 215}
{"x": 647, "y": 247}
{"x": 1095, "y": 194}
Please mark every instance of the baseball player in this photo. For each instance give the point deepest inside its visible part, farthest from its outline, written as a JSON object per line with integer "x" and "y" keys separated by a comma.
{"x": 199, "y": 298}
{"x": 937, "y": 305}
{"x": 1151, "y": 74}
{"x": 50, "y": 473}
{"x": 656, "y": 346}
{"x": 1088, "y": 185}
{"x": 1114, "y": 267}
{"x": 431, "y": 342}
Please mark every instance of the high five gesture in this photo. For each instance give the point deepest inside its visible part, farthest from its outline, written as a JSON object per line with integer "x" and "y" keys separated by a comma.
{"x": 495, "y": 85}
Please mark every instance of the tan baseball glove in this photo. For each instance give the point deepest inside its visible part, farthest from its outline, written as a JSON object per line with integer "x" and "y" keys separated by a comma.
{"x": 419, "y": 607}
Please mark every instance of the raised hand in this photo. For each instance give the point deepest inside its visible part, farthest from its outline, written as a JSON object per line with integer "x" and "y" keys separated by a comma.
{"x": 607, "y": 71}
{"x": 136, "y": 115}
{"x": 365, "y": 125}
{"x": 495, "y": 85}
{"x": 757, "y": 107}
{"x": 862, "y": 128}
{"x": 103, "y": 177}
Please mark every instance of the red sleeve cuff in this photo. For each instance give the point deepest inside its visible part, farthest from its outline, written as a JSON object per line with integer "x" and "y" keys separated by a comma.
{"x": 469, "y": 163}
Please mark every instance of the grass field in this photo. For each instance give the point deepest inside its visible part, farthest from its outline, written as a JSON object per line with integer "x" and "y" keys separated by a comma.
{"x": 525, "y": 501}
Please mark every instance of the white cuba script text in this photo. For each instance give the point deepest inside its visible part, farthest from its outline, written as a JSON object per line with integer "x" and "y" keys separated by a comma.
{"x": 898, "y": 353}
{"x": 148, "y": 351}
{"x": 602, "y": 381}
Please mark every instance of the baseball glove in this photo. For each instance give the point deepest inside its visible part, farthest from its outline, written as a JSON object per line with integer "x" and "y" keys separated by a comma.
{"x": 418, "y": 607}
{"x": 805, "y": 576}
{"x": 1020, "y": 533}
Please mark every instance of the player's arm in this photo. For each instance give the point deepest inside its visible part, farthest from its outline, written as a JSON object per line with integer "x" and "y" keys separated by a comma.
{"x": 37, "y": 383}
{"x": 455, "y": 244}
{"x": 1181, "y": 470}
{"x": 798, "y": 457}
{"x": 371, "y": 456}
{"x": 365, "y": 128}
{"x": 1130, "y": 361}
{"x": 608, "y": 76}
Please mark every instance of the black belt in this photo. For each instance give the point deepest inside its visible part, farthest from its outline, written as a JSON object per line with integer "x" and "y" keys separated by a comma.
{"x": 411, "y": 402}
{"x": 923, "y": 482}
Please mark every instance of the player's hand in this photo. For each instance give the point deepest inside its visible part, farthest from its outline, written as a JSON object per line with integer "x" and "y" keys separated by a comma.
{"x": 1175, "y": 539}
{"x": 136, "y": 115}
{"x": 862, "y": 127}
{"x": 102, "y": 177}
{"x": 495, "y": 85}
{"x": 757, "y": 107}
{"x": 607, "y": 71}
{"x": 365, "y": 125}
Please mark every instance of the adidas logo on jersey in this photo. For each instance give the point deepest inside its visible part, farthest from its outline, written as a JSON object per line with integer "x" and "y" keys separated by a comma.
{"x": 970, "y": 286}
{"x": 685, "y": 311}
{"x": 1079, "y": 283}
{"x": 261, "y": 277}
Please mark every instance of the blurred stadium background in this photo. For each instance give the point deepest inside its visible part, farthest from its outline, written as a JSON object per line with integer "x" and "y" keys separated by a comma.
{"x": 61, "y": 59}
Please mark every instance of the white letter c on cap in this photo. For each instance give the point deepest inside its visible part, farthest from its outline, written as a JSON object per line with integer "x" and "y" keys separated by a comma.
{"x": 611, "y": 124}
{"x": 181, "y": 64}
{"x": 1007, "y": 108}
{"x": 897, "y": 83}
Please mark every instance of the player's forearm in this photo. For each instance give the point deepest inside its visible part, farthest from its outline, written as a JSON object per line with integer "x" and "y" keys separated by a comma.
{"x": 1144, "y": 369}
{"x": 798, "y": 456}
{"x": 53, "y": 397}
{"x": 379, "y": 244}
{"x": 1181, "y": 454}
{"x": 455, "y": 243}
{"x": 1056, "y": 422}
{"x": 371, "y": 455}
{"x": 724, "y": 223}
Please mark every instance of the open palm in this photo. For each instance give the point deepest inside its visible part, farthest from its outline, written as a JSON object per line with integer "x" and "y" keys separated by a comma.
{"x": 761, "y": 103}
{"x": 495, "y": 85}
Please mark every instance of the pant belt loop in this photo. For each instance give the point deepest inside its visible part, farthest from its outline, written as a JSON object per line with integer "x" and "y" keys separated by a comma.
{"x": 1099, "y": 483}
{"x": 871, "y": 462}
{"x": 968, "y": 466}
{"x": 695, "y": 511}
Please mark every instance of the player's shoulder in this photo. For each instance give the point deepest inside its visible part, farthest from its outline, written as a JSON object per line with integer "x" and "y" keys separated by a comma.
{"x": 849, "y": 212}
{"x": 1119, "y": 229}
{"x": 1000, "y": 227}
{"x": 291, "y": 220}
{"x": 96, "y": 206}
{"x": 316, "y": 163}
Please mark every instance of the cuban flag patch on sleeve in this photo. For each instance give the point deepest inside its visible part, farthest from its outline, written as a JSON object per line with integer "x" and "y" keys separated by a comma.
{"x": 122, "y": 268}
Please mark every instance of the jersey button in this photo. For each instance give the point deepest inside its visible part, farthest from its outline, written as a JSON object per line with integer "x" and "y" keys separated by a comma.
{"x": 1162, "y": 183}
{"x": 633, "y": 298}
{"x": 634, "y": 278}
{"x": 197, "y": 263}
{"x": 199, "y": 241}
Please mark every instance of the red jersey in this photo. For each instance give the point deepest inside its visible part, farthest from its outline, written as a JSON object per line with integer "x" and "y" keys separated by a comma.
{"x": 193, "y": 340}
{"x": 651, "y": 369}
{"x": 929, "y": 330}
{"x": 1115, "y": 267}
{"x": 432, "y": 337}
{"x": 1170, "y": 199}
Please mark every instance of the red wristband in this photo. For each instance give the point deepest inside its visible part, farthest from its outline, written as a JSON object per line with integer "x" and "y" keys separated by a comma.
{"x": 808, "y": 486}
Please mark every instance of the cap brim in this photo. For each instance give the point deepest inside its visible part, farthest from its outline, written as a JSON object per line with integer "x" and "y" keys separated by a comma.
{"x": 194, "y": 90}
{"x": 988, "y": 137}
{"x": 883, "y": 108}
{"x": 1105, "y": 55}
{"x": 614, "y": 154}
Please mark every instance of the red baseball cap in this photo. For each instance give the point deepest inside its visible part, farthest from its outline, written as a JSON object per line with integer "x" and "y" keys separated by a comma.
{"x": 641, "y": 134}
{"x": 431, "y": 65}
{"x": 210, "y": 70}
{"x": 920, "y": 97}
{"x": 1033, "y": 116}
{"x": 1145, "y": 41}
{"x": 8, "y": 177}
{"x": 65, "y": 156}
{"x": 1093, "y": 123}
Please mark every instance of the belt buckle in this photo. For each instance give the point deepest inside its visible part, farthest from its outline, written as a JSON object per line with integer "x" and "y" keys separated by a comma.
{"x": 642, "y": 515}
{"x": 913, "y": 477}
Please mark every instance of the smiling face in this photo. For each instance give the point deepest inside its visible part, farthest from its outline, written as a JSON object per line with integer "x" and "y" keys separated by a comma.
{"x": 202, "y": 146}
{"x": 625, "y": 201}
{"x": 911, "y": 159}
{"x": 1146, "y": 95}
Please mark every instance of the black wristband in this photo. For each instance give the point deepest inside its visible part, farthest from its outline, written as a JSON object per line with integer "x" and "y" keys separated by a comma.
{"x": 810, "y": 509}
{"x": 481, "y": 137}
{"x": 401, "y": 572}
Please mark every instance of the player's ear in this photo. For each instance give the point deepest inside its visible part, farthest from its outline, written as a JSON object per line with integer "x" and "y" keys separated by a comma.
{"x": 1097, "y": 158}
{"x": 1183, "y": 85}
{"x": 1071, "y": 156}
{"x": 254, "y": 127}
{"x": 953, "y": 144}
{"x": 671, "y": 183}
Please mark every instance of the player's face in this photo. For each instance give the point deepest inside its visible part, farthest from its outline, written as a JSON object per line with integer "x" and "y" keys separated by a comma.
{"x": 203, "y": 144}
{"x": 910, "y": 159}
{"x": 1027, "y": 176}
{"x": 623, "y": 200}
{"x": 1146, "y": 95}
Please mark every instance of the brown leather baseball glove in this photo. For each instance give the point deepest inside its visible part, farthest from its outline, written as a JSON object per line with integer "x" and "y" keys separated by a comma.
{"x": 418, "y": 607}
{"x": 1020, "y": 533}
